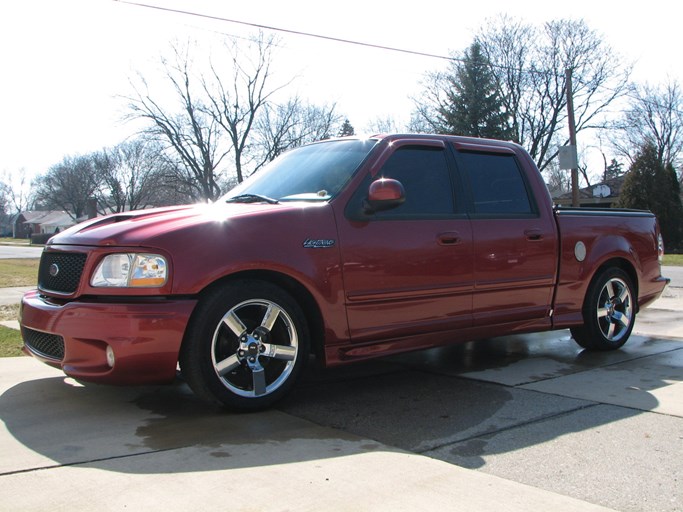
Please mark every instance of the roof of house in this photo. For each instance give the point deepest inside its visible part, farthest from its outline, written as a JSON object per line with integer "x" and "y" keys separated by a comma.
{"x": 614, "y": 185}
{"x": 49, "y": 218}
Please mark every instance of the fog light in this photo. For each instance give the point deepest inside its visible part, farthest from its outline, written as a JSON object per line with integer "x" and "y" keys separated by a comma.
{"x": 110, "y": 356}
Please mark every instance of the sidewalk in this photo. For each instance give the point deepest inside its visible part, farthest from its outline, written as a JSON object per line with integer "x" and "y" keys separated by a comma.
{"x": 13, "y": 295}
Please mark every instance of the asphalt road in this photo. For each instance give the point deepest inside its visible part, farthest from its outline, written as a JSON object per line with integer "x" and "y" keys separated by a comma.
{"x": 19, "y": 251}
{"x": 675, "y": 274}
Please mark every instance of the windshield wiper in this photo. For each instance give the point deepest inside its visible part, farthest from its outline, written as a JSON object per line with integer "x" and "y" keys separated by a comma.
{"x": 251, "y": 198}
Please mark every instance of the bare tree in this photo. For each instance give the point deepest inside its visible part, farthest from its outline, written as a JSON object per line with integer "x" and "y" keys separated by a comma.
{"x": 655, "y": 117}
{"x": 69, "y": 185}
{"x": 187, "y": 128}
{"x": 235, "y": 105}
{"x": 294, "y": 123}
{"x": 382, "y": 125}
{"x": 530, "y": 64}
{"x": 558, "y": 180}
{"x": 16, "y": 192}
{"x": 215, "y": 109}
{"x": 133, "y": 175}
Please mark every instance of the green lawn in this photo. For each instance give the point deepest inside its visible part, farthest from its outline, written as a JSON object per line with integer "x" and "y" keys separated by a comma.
{"x": 10, "y": 342}
{"x": 10, "y": 339}
{"x": 675, "y": 260}
{"x": 19, "y": 272}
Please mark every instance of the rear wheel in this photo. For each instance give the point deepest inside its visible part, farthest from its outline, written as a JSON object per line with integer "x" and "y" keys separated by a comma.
{"x": 246, "y": 345}
{"x": 609, "y": 312}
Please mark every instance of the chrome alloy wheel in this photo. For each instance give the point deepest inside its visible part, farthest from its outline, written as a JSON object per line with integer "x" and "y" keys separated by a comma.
{"x": 254, "y": 348}
{"x": 615, "y": 311}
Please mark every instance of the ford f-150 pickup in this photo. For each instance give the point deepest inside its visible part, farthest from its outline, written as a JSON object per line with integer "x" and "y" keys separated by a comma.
{"x": 346, "y": 249}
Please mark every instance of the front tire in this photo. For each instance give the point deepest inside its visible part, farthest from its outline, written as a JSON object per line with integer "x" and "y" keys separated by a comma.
{"x": 245, "y": 346}
{"x": 609, "y": 312}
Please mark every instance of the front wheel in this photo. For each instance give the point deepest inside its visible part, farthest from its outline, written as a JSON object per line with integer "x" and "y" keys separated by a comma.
{"x": 245, "y": 346}
{"x": 609, "y": 312}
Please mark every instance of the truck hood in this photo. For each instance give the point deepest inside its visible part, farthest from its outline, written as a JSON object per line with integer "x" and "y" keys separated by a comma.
{"x": 149, "y": 228}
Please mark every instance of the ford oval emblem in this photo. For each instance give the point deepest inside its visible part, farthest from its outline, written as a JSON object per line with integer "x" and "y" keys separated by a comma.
{"x": 54, "y": 270}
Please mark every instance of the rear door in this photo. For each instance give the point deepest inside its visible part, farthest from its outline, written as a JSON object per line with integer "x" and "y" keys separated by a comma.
{"x": 515, "y": 246}
{"x": 409, "y": 270}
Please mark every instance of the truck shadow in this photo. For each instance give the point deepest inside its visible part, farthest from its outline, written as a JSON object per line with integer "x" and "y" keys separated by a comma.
{"x": 448, "y": 400}
{"x": 448, "y": 403}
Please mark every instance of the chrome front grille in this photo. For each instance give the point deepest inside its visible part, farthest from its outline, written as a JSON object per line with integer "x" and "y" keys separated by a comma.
{"x": 60, "y": 271}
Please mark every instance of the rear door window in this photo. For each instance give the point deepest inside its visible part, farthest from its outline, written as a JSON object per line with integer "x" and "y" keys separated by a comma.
{"x": 497, "y": 185}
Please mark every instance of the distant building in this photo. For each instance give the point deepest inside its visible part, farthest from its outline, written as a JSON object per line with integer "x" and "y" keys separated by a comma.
{"x": 603, "y": 195}
{"x": 34, "y": 222}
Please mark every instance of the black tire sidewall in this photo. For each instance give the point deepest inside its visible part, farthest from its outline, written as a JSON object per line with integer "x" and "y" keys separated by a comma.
{"x": 196, "y": 362}
{"x": 591, "y": 333}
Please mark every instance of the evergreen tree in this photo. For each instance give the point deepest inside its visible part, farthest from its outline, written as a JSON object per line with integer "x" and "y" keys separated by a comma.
{"x": 613, "y": 170}
{"x": 472, "y": 105}
{"x": 347, "y": 129}
{"x": 650, "y": 185}
{"x": 670, "y": 214}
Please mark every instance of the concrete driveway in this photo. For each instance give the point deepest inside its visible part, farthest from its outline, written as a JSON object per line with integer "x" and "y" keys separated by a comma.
{"x": 519, "y": 423}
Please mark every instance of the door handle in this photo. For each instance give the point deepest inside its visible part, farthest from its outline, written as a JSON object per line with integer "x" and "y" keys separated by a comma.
{"x": 450, "y": 238}
{"x": 533, "y": 235}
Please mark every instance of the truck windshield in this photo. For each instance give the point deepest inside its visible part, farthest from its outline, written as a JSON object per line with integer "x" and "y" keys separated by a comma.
{"x": 316, "y": 172}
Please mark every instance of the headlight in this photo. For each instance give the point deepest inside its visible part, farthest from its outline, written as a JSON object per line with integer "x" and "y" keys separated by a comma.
{"x": 135, "y": 270}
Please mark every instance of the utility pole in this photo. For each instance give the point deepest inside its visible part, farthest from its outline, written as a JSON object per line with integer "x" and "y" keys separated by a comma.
{"x": 572, "y": 138}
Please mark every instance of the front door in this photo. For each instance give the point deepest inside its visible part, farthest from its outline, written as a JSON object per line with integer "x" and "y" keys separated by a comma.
{"x": 408, "y": 270}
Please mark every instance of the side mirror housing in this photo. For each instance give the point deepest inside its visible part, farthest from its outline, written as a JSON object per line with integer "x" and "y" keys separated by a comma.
{"x": 384, "y": 194}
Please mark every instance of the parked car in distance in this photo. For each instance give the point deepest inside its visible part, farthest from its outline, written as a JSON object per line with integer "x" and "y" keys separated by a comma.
{"x": 349, "y": 249}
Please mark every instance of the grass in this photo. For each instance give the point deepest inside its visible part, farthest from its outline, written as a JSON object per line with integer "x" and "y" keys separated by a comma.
{"x": 19, "y": 272}
{"x": 10, "y": 339}
{"x": 14, "y": 241}
{"x": 10, "y": 342}
{"x": 675, "y": 260}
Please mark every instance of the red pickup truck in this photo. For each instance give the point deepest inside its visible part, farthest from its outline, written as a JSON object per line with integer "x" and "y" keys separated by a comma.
{"x": 347, "y": 249}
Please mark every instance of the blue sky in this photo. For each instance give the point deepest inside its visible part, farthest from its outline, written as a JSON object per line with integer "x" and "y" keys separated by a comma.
{"x": 64, "y": 62}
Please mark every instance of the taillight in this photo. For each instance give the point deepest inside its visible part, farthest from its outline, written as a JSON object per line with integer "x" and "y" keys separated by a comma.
{"x": 660, "y": 248}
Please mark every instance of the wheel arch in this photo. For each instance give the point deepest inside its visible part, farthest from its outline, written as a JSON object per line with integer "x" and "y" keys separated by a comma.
{"x": 620, "y": 263}
{"x": 297, "y": 290}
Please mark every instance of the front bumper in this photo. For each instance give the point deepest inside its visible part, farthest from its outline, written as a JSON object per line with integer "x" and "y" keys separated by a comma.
{"x": 144, "y": 334}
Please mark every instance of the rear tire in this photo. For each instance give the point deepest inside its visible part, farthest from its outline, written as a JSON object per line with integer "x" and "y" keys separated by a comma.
{"x": 609, "y": 312}
{"x": 245, "y": 346}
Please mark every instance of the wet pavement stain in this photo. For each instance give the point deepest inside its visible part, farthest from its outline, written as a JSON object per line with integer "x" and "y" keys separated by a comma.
{"x": 469, "y": 454}
{"x": 402, "y": 409}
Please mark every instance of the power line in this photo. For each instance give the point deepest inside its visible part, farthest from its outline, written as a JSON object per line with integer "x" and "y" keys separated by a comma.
{"x": 341, "y": 40}
{"x": 289, "y": 31}
{"x": 331, "y": 38}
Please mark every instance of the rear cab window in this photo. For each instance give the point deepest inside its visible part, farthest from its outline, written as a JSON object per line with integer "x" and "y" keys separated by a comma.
{"x": 497, "y": 186}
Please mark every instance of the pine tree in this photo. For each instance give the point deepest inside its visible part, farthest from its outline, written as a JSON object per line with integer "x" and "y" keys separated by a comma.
{"x": 347, "y": 129}
{"x": 670, "y": 214}
{"x": 472, "y": 105}
{"x": 613, "y": 170}
{"x": 650, "y": 185}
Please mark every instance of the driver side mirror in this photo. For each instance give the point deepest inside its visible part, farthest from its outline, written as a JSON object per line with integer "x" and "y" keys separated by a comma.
{"x": 384, "y": 194}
